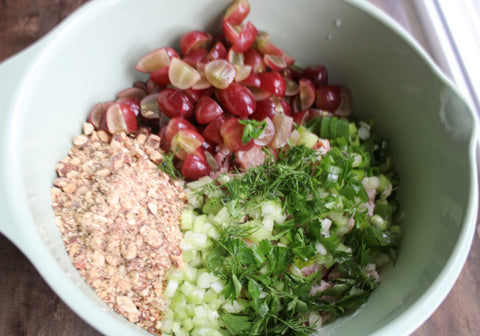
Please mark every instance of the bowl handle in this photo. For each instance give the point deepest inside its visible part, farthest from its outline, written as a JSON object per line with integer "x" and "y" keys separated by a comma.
{"x": 13, "y": 72}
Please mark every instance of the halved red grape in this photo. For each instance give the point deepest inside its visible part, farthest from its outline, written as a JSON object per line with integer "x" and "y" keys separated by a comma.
{"x": 237, "y": 99}
{"x": 240, "y": 36}
{"x": 97, "y": 112}
{"x": 132, "y": 92}
{"x": 182, "y": 75}
{"x": 283, "y": 129}
{"x": 132, "y": 103}
{"x": 265, "y": 108}
{"x": 207, "y": 110}
{"x": 212, "y": 130}
{"x": 317, "y": 74}
{"x": 275, "y": 62}
{"x": 196, "y": 57}
{"x": 328, "y": 97}
{"x": 220, "y": 73}
{"x": 236, "y": 58}
{"x": 242, "y": 72}
{"x": 307, "y": 93}
{"x": 175, "y": 103}
{"x": 119, "y": 118}
{"x": 193, "y": 40}
{"x": 252, "y": 80}
{"x": 195, "y": 166}
{"x": 160, "y": 76}
{"x": 150, "y": 111}
{"x": 253, "y": 58}
{"x": 218, "y": 51}
{"x": 156, "y": 59}
{"x": 260, "y": 94}
{"x": 292, "y": 87}
{"x": 345, "y": 107}
{"x": 232, "y": 133}
{"x": 266, "y": 47}
{"x": 237, "y": 11}
{"x": 186, "y": 141}
{"x": 267, "y": 135}
{"x": 175, "y": 125}
{"x": 273, "y": 82}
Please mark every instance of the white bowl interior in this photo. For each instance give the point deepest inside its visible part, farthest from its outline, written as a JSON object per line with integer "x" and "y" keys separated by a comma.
{"x": 92, "y": 56}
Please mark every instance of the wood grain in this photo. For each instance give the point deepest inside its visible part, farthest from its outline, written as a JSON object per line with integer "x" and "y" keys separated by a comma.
{"x": 29, "y": 307}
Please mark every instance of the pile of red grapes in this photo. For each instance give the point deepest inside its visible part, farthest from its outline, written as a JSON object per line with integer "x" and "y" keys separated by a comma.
{"x": 201, "y": 98}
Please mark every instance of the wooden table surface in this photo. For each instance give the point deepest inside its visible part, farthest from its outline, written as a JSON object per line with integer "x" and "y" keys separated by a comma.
{"x": 29, "y": 307}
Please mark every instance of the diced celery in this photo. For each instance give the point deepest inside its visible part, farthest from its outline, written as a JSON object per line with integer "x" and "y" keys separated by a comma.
{"x": 382, "y": 259}
{"x": 383, "y": 183}
{"x": 212, "y": 206}
{"x": 358, "y": 174}
{"x": 294, "y": 137}
{"x": 338, "y": 218}
{"x": 190, "y": 256}
{"x": 197, "y": 296}
{"x": 379, "y": 222}
{"x": 199, "y": 183}
{"x": 178, "y": 302}
{"x": 325, "y": 260}
{"x": 254, "y": 211}
{"x": 353, "y": 134}
{"x": 307, "y": 138}
{"x": 177, "y": 275}
{"x": 167, "y": 325}
{"x": 216, "y": 303}
{"x": 274, "y": 210}
{"x": 168, "y": 315}
{"x": 176, "y": 328}
{"x": 187, "y": 219}
{"x": 199, "y": 224}
{"x": 217, "y": 286}
{"x": 234, "y": 307}
{"x": 204, "y": 280}
{"x": 194, "y": 199}
{"x": 315, "y": 320}
{"x": 342, "y": 247}
{"x": 190, "y": 309}
{"x": 190, "y": 274}
{"x": 222, "y": 216}
{"x": 210, "y": 296}
{"x": 206, "y": 332}
{"x": 212, "y": 232}
{"x": 372, "y": 182}
{"x": 196, "y": 240}
{"x": 187, "y": 289}
{"x": 188, "y": 324}
{"x": 171, "y": 288}
{"x": 357, "y": 160}
{"x": 203, "y": 317}
{"x": 396, "y": 229}
{"x": 181, "y": 332}
{"x": 260, "y": 234}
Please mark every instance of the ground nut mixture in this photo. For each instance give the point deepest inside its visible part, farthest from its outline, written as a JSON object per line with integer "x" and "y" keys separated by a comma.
{"x": 119, "y": 215}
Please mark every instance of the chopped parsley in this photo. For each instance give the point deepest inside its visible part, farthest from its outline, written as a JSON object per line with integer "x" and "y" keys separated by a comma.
{"x": 252, "y": 130}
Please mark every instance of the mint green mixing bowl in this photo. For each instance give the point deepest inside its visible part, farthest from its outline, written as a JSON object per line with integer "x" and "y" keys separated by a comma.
{"x": 47, "y": 90}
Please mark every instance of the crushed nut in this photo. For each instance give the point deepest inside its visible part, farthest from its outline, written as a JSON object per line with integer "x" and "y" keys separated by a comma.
{"x": 119, "y": 216}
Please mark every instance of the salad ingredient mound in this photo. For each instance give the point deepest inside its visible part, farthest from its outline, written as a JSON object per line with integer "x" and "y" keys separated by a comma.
{"x": 118, "y": 215}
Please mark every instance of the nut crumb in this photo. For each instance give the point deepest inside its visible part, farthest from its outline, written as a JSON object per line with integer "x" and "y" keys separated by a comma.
{"x": 119, "y": 216}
